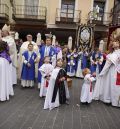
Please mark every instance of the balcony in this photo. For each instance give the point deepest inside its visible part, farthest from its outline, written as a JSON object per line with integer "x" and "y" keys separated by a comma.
{"x": 116, "y": 19}
{"x": 25, "y": 13}
{"x": 99, "y": 18}
{"x": 64, "y": 16}
{"x": 4, "y": 13}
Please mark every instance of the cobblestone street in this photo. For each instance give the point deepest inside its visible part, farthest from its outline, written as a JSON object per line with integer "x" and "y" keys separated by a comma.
{"x": 25, "y": 111}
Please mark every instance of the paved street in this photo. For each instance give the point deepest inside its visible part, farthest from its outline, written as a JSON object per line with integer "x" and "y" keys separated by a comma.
{"x": 25, "y": 111}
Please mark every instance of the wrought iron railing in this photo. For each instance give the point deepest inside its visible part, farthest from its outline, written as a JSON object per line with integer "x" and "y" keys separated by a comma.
{"x": 4, "y": 11}
{"x": 116, "y": 19}
{"x": 29, "y": 12}
{"x": 99, "y": 18}
{"x": 68, "y": 16}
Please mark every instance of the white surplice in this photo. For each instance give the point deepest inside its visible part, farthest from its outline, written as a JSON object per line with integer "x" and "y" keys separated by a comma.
{"x": 106, "y": 89}
{"x": 48, "y": 100}
{"x": 45, "y": 69}
{"x": 6, "y": 88}
{"x": 87, "y": 92}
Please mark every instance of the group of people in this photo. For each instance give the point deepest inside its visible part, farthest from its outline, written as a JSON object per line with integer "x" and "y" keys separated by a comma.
{"x": 52, "y": 65}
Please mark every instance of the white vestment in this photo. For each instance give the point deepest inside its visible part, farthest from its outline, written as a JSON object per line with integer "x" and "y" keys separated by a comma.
{"x": 13, "y": 55}
{"x": 106, "y": 89}
{"x": 45, "y": 69}
{"x": 87, "y": 89}
{"x": 6, "y": 88}
{"x": 48, "y": 100}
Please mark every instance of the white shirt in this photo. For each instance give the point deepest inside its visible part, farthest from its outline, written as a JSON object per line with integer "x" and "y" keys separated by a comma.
{"x": 47, "y": 50}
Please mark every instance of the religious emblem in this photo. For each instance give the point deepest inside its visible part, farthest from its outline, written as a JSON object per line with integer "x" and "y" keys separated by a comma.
{"x": 85, "y": 36}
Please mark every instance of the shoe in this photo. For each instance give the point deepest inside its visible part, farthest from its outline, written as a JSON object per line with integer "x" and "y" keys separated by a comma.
{"x": 67, "y": 103}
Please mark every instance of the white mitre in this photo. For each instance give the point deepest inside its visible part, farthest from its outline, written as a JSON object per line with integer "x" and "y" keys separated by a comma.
{"x": 6, "y": 28}
{"x": 16, "y": 35}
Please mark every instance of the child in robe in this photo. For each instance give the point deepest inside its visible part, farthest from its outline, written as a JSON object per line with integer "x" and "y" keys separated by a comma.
{"x": 46, "y": 70}
{"x": 71, "y": 63}
{"x": 57, "y": 92}
{"x": 28, "y": 69}
{"x": 87, "y": 89}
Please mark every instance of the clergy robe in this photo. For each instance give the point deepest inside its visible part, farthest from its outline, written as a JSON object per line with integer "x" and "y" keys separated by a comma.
{"x": 44, "y": 51}
{"x": 93, "y": 60}
{"x": 87, "y": 89}
{"x": 99, "y": 63}
{"x": 28, "y": 73}
{"x": 58, "y": 52}
{"x": 13, "y": 54}
{"x": 84, "y": 60}
{"x": 6, "y": 88}
{"x": 106, "y": 87}
{"x": 46, "y": 70}
{"x": 57, "y": 92}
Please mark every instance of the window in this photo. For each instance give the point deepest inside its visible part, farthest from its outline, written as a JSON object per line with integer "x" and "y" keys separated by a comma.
{"x": 67, "y": 8}
{"x": 31, "y": 7}
{"x": 98, "y": 9}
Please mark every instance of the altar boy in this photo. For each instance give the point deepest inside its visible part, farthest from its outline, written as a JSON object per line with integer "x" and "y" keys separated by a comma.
{"x": 28, "y": 69}
{"x": 46, "y": 70}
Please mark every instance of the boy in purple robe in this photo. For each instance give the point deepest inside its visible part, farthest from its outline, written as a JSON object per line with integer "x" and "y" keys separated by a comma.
{"x": 28, "y": 69}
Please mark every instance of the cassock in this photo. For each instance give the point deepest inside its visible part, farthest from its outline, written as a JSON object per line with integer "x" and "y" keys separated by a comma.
{"x": 13, "y": 54}
{"x": 23, "y": 48}
{"x": 84, "y": 60}
{"x": 87, "y": 89}
{"x": 46, "y": 70}
{"x": 6, "y": 84}
{"x": 28, "y": 73}
{"x": 99, "y": 63}
{"x": 93, "y": 60}
{"x": 58, "y": 52}
{"x": 57, "y": 92}
{"x": 46, "y": 51}
{"x": 107, "y": 87}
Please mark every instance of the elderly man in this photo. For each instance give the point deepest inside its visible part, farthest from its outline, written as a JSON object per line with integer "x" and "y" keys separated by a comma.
{"x": 12, "y": 50}
{"x": 23, "y": 48}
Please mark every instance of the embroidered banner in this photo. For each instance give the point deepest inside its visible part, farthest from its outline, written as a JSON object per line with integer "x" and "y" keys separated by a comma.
{"x": 85, "y": 37}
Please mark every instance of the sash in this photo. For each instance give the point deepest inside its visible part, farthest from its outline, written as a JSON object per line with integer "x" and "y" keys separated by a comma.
{"x": 46, "y": 83}
{"x": 118, "y": 79}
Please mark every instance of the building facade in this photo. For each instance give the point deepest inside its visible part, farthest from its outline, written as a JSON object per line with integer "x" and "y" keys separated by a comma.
{"x": 60, "y": 17}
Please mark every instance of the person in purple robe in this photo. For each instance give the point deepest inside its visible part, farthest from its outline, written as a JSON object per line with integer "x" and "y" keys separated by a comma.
{"x": 28, "y": 69}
